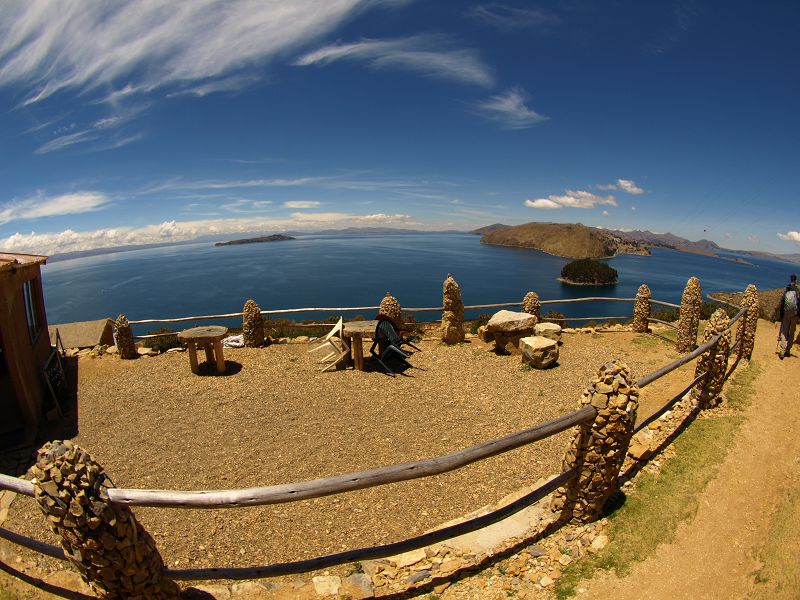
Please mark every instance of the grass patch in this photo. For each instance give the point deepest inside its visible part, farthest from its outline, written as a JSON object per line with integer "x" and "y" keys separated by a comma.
{"x": 651, "y": 515}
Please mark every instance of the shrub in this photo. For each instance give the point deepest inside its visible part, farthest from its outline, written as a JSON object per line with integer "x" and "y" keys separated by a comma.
{"x": 479, "y": 322}
{"x": 555, "y": 317}
{"x": 669, "y": 315}
{"x": 588, "y": 270}
{"x": 164, "y": 342}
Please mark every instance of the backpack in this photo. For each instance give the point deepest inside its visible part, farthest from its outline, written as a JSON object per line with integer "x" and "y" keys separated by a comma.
{"x": 790, "y": 302}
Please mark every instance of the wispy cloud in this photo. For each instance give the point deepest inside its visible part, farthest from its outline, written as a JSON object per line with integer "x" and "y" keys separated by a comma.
{"x": 571, "y": 199}
{"x": 301, "y": 204}
{"x": 428, "y": 55}
{"x": 48, "y": 47}
{"x": 42, "y": 206}
{"x": 508, "y": 110}
{"x": 509, "y": 18}
{"x": 790, "y": 236}
{"x": 65, "y": 141}
{"x": 625, "y": 185}
{"x": 94, "y": 132}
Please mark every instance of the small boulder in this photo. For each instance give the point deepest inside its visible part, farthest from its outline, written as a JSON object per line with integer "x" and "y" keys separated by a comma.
{"x": 539, "y": 352}
{"x": 551, "y": 331}
{"x": 510, "y": 322}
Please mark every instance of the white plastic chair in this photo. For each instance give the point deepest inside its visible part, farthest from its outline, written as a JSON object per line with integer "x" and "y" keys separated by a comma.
{"x": 336, "y": 343}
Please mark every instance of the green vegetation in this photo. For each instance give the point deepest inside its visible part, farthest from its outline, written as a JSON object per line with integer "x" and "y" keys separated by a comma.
{"x": 164, "y": 342}
{"x": 589, "y": 271}
{"x": 555, "y": 317}
{"x": 479, "y": 322}
{"x": 661, "y": 502}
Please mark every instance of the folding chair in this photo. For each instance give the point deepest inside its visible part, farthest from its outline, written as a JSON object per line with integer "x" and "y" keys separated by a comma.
{"x": 389, "y": 344}
{"x": 337, "y": 345}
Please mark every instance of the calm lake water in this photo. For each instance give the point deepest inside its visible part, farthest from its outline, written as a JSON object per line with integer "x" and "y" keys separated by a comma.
{"x": 339, "y": 271}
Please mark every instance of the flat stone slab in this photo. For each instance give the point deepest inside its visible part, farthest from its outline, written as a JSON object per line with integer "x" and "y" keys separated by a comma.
{"x": 84, "y": 334}
{"x": 510, "y": 322}
{"x": 549, "y": 330}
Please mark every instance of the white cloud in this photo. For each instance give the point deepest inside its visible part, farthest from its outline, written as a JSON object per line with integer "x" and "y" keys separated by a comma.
{"x": 605, "y": 213}
{"x": 625, "y": 185}
{"x": 176, "y": 231}
{"x": 790, "y": 236}
{"x": 509, "y": 111}
{"x": 428, "y": 55}
{"x": 301, "y": 204}
{"x": 572, "y": 199}
{"x": 510, "y": 17}
{"x": 41, "y": 206}
{"x": 65, "y": 141}
{"x": 47, "y": 47}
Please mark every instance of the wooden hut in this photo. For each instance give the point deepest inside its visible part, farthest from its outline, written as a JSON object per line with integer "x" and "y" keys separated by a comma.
{"x": 25, "y": 350}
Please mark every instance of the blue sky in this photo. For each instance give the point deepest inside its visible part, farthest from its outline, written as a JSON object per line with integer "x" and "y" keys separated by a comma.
{"x": 141, "y": 122}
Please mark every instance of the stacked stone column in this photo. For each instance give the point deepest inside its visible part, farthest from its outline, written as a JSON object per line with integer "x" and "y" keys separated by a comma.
{"x": 715, "y": 361}
{"x": 123, "y": 337}
{"x": 641, "y": 309}
{"x": 111, "y": 550}
{"x": 252, "y": 325}
{"x": 748, "y": 323}
{"x": 691, "y": 304}
{"x": 599, "y": 447}
{"x": 532, "y": 305}
{"x": 453, "y": 313}
{"x": 390, "y": 307}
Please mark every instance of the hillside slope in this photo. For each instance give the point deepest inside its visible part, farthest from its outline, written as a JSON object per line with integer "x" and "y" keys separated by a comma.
{"x": 570, "y": 240}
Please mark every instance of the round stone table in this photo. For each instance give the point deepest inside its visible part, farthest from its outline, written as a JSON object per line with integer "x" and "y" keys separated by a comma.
{"x": 210, "y": 338}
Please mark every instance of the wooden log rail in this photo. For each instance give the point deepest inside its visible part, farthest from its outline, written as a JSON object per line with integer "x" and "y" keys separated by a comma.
{"x": 31, "y": 544}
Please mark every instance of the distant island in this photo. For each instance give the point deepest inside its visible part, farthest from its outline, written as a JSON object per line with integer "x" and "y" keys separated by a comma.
{"x": 587, "y": 271}
{"x": 257, "y": 240}
{"x": 570, "y": 240}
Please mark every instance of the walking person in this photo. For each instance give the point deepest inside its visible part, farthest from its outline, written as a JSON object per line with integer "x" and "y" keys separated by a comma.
{"x": 788, "y": 323}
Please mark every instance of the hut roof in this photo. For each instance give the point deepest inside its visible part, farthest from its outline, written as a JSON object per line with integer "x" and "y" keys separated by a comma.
{"x": 9, "y": 260}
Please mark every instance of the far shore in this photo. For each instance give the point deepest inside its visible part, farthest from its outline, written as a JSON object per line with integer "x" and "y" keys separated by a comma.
{"x": 570, "y": 282}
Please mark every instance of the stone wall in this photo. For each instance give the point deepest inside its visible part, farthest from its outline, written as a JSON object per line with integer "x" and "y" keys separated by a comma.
{"x": 124, "y": 338}
{"x": 599, "y": 447}
{"x": 113, "y": 553}
{"x": 641, "y": 309}
{"x": 453, "y": 313}
{"x": 715, "y": 361}
{"x": 691, "y": 303}
{"x": 252, "y": 325}
{"x": 532, "y": 305}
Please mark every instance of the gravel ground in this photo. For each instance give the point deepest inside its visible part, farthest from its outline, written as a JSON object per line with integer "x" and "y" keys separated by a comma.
{"x": 275, "y": 418}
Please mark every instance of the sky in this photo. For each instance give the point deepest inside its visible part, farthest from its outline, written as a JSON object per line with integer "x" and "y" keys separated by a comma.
{"x": 132, "y": 122}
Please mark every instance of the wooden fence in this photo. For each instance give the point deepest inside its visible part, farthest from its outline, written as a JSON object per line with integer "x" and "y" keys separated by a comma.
{"x": 120, "y": 497}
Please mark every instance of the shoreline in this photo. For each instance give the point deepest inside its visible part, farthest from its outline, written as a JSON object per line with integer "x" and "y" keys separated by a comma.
{"x": 570, "y": 282}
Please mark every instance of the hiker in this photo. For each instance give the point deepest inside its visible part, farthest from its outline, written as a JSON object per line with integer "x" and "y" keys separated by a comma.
{"x": 789, "y": 306}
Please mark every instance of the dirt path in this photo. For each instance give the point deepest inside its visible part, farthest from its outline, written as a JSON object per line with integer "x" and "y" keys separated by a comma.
{"x": 718, "y": 554}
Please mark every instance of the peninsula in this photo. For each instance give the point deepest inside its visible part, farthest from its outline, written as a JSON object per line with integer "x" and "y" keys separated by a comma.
{"x": 570, "y": 240}
{"x": 257, "y": 240}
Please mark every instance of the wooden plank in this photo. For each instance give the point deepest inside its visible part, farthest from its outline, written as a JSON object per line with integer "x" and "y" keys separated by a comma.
{"x": 375, "y": 552}
{"x": 218, "y": 354}
{"x": 15, "y": 484}
{"x": 357, "y": 345}
{"x": 193, "y": 357}
{"x": 326, "y": 486}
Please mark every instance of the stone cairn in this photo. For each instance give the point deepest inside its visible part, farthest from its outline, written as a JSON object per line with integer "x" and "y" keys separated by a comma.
{"x": 748, "y": 323}
{"x": 714, "y": 360}
{"x": 113, "y": 553}
{"x": 641, "y": 309}
{"x": 252, "y": 325}
{"x": 532, "y": 305}
{"x": 691, "y": 302}
{"x": 599, "y": 447}
{"x": 391, "y": 308}
{"x": 124, "y": 338}
{"x": 453, "y": 313}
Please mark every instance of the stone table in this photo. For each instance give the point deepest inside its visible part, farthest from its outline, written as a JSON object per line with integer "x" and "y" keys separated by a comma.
{"x": 210, "y": 338}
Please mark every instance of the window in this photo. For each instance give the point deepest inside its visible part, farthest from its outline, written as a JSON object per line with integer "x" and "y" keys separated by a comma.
{"x": 32, "y": 313}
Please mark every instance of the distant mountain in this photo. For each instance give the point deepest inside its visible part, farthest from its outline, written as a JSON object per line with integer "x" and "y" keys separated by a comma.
{"x": 570, "y": 240}
{"x": 668, "y": 240}
{"x": 257, "y": 240}
{"x": 489, "y": 229}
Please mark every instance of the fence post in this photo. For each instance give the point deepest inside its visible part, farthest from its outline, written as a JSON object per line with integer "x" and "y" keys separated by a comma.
{"x": 599, "y": 447}
{"x": 532, "y": 305}
{"x": 123, "y": 337}
{"x": 641, "y": 309}
{"x": 714, "y": 361}
{"x": 252, "y": 325}
{"x": 111, "y": 550}
{"x": 452, "y": 313}
{"x": 747, "y": 328}
{"x": 691, "y": 304}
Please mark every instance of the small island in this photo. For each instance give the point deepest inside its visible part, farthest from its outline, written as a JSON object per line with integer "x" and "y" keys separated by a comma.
{"x": 265, "y": 238}
{"x": 587, "y": 271}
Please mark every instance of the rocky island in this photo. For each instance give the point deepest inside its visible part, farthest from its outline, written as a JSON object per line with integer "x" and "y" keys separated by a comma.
{"x": 570, "y": 240}
{"x": 257, "y": 240}
{"x": 587, "y": 271}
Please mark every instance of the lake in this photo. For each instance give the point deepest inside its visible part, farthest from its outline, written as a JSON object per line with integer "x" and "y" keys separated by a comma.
{"x": 346, "y": 270}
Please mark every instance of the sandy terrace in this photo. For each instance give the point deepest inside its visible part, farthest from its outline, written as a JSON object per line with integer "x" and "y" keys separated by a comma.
{"x": 275, "y": 418}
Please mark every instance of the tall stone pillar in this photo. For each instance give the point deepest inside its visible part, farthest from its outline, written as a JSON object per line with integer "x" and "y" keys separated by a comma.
{"x": 691, "y": 304}
{"x": 641, "y": 309}
{"x": 714, "y": 360}
{"x": 252, "y": 325}
{"x": 390, "y": 307}
{"x": 123, "y": 337}
{"x": 453, "y": 312}
{"x": 599, "y": 447}
{"x": 749, "y": 322}
{"x": 111, "y": 550}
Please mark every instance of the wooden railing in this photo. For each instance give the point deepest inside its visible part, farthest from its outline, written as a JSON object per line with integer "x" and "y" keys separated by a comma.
{"x": 372, "y": 477}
